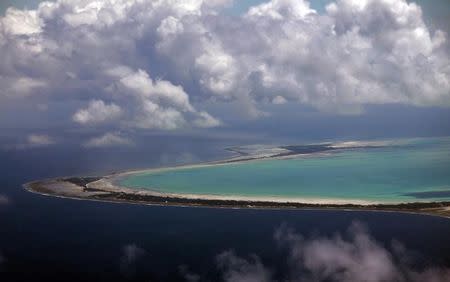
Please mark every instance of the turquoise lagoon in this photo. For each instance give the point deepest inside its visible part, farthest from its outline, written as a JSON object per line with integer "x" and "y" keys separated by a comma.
{"x": 417, "y": 170}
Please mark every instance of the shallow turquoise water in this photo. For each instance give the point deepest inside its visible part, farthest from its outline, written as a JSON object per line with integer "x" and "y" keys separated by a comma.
{"x": 377, "y": 174}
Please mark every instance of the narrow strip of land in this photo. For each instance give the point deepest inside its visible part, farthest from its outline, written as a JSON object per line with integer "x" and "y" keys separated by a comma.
{"x": 79, "y": 188}
{"x": 105, "y": 188}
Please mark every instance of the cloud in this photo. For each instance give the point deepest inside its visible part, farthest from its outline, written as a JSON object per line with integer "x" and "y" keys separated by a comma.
{"x": 73, "y": 71}
{"x": 205, "y": 120}
{"x": 187, "y": 275}
{"x": 130, "y": 255}
{"x": 38, "y": 140}
{"x": 19, "y": 22}
{"x": 237, "y": 269}
{"x": 161, "y": 70}
{"x": 25, "y": 85}
{"x": 97, "y": 112}
{"x": 31, "y": 141}
{"x": 354, "y": 257}
{"x": 281, "y": 10}
{"x": 108, "y": 140}
{"x": 159, "y": 104}
{"x": 4, "y": 200}
{"x": 279, "y": 100}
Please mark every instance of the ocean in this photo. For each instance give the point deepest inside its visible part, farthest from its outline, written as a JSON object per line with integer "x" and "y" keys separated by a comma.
{"x": 51, "y": 239}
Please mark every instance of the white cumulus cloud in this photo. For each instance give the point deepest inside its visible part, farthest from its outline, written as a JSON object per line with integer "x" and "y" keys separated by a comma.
{"x": 108, "y": 140}
{"x": 279, "y": 100}
{"x": 97, "y": 112}
{"x": 159, "y": 69}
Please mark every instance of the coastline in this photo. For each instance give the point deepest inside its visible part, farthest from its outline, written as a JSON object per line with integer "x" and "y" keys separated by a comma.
{"x": 107, "y": 189}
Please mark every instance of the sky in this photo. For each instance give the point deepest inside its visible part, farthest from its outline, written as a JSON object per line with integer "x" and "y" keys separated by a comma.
{"x": 104, "y": 73}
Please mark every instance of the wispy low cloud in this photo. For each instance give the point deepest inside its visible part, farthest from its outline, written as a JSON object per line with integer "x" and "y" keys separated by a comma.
{"x": 353, "y": 257}
{"x": 108, "y": 140}
{"x": 187, "y": 274}
{"x": 31, "y": 141}
{"x": 4, "y": 200}
{"x": 130, "y": 255}
{"x": 39, "y": 140}
{"x": 238, "y": 269}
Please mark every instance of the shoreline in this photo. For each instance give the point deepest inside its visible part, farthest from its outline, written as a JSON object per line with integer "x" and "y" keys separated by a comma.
{"x": 106, "y": 189}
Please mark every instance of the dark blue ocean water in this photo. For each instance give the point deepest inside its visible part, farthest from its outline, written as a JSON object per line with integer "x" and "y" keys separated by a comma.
{"x": 51, "y": 239}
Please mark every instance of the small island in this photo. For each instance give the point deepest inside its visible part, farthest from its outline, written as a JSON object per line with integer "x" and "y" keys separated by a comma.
{"x": 108, "y": 188}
